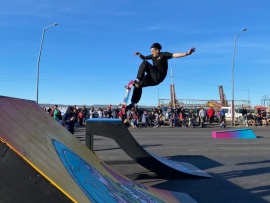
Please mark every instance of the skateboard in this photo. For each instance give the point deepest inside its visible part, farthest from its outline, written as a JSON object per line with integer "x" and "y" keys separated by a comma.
{"x": 128, "y": 88}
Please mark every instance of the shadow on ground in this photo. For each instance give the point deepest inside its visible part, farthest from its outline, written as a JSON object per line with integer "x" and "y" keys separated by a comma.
{"x": 216, "y": 189}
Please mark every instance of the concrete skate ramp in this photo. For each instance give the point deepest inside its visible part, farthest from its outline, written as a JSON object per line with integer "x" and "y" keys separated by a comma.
{"x": 115, "y": 129}
{"x": 42, "y": 162}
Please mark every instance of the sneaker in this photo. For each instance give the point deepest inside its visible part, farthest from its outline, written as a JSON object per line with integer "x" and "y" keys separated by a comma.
{"x": 128, "y": 107}
{"x": 137, "y": 84}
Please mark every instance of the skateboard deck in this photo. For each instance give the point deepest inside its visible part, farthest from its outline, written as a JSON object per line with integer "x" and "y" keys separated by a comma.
{"x": 127, "y": 93}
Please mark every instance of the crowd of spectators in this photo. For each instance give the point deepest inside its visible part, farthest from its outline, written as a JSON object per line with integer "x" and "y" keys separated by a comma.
{"x": 154, "y": 117}
{"x": 181, "y": 117}
{"x": 259, "y": 118}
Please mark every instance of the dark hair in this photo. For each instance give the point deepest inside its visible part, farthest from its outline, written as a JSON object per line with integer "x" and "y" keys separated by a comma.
{"x": 68, "y": 109}
{"x": 156, "y": 46}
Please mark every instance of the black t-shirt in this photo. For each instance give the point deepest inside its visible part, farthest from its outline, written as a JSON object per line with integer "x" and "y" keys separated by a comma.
{"x": 161, "y": 61}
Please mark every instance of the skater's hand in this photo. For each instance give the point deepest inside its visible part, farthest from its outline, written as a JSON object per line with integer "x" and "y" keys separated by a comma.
{"x": 193, "y": 49}
{"x": 140, "y": 55}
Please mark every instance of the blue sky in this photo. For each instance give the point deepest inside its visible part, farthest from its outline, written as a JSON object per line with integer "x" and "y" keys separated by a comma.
{"x": 88, "y": 57}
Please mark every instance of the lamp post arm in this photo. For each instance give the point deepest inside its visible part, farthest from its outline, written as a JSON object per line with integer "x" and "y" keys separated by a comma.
{"x": 50, "y": 26}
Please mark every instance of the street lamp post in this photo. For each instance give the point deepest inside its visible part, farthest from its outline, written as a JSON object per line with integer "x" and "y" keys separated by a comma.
{"x": 232, "y": 109}
{"x": 39, "y": 55}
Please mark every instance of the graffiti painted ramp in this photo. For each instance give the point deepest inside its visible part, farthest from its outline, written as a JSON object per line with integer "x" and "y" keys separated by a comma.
{"x": 48, "y": 164}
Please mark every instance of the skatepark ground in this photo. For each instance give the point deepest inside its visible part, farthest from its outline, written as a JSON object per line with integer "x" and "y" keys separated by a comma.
{"x": 240, "y": 168}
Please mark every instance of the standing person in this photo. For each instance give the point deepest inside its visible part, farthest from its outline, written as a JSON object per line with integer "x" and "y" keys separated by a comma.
{"x": 191, "y": 118}
{"x": 244, "y": 116}
{"x": 202, "y": 116}
{"x": 222, "y": 115}
{"x": 80, "y": 117}
{"x": 152, "y": 75}
{"x": 56, "y": 113}
{"x": 84, "y": 112}
{"x": 114, "y": 113}
{"x": 122, "y": 114}
{"x": 211, "y": 114}
{"x": 100, "y": 113}
{"x": 75, "y": 112}
{"x": 69, "y": 120}
{"x": 92, "y": 112}
{"x": 109, "y": 112}
{"x": 49, "y": 110}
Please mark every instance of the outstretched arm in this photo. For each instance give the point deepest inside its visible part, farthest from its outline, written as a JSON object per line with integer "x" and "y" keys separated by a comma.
{"x": 140, "y": 55}
{"x": 179, "y": 55}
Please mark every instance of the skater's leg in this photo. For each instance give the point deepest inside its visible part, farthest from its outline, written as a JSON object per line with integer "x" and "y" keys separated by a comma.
{"x": 137, "y": 91}
{"x": 144, "y": 68}
{"x": 136, "y": 95}
{"x": 149, "y": 75}
{"x": 145, "y": 72}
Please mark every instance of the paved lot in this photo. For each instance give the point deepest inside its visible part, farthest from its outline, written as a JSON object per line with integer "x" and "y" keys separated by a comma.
{"x": 240, "y": 167}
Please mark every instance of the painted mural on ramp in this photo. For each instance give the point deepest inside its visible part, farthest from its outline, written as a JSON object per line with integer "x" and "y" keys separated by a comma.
{"x": 48, "y": 151}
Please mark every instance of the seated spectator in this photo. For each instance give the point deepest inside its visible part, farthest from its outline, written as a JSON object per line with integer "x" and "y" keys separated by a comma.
{"x": 126, "y": 122}
{"x": 156, "y": 121}
{"x": 250, "y": 119}
{"x": 222, "y": 124}
{"x": 134, "y": 120}
{"x": 182, "y": 119}
{"x": 152, "y": 118}
{"x": 159, "y": 109}
{"x": 267, "y": 117}
{"x": 263, "y": 118}
{"x": 172, "y": 119}
{"x": 160, "y": 120}
{"x": 258, "y": 119}
{"x": 154, "y": 109}
{"x": 145, "y": 119}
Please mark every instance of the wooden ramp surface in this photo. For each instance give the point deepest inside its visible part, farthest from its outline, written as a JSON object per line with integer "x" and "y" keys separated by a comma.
{"x": 116, "y": 129}
{"x": 63, "y": 160}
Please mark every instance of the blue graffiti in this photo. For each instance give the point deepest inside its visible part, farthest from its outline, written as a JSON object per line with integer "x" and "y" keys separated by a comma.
{"x": 99, "y": 187}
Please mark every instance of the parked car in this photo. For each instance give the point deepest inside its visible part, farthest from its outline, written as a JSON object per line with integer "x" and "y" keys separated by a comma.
{"x": 228, "y": 114}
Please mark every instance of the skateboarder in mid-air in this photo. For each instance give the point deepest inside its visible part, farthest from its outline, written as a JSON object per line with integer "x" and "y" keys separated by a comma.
{"x": 152, "y": 75}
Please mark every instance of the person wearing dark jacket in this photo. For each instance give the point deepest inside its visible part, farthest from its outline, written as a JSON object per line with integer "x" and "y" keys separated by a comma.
{"x": 69, "y": 120}
{"x": 152, "y": 118}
